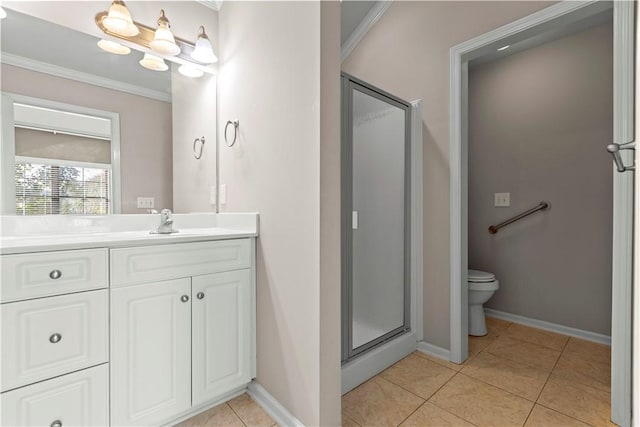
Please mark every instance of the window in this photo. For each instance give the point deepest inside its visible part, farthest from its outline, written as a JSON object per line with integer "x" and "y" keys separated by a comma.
{"x": 44, "y": 188}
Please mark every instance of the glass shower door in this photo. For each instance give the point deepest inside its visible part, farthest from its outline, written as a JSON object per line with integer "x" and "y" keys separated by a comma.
{"x": 375, "y": 216}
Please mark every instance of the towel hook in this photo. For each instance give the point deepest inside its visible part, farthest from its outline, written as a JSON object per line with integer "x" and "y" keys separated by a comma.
{"x": 195, "y": 142}
{"x": 235, "y": 124}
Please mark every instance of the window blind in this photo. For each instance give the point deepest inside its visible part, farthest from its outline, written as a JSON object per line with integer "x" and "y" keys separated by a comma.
{"x": 44, "y": 186}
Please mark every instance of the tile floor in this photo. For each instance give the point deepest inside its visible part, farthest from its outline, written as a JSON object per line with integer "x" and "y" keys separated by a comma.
{"x": 237, "y": 412}
{"x": 515, "y": 376}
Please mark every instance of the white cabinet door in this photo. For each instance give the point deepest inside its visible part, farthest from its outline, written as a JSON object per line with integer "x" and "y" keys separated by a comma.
{"x": 150, "y": 352}
{"x": 221, "y": 333}
{"x": 77, "y": 399}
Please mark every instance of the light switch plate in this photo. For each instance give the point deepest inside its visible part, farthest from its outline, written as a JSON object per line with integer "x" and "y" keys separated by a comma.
{"x": 501, "y": 199}
{"x": 146, "y": 202}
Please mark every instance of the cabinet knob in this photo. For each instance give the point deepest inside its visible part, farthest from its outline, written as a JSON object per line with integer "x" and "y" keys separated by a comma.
{"x": 55, "y": 274}
{"x": 200, "y": 295}
{"x": 184, "y": 298}
{"x": 56, "y": 423}
{"x": 55, "y": 338}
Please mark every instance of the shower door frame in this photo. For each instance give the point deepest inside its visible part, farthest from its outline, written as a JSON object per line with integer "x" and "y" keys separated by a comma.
{"x": 348, "y": 84}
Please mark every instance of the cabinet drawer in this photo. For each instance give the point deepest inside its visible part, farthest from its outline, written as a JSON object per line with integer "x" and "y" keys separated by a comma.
{"x": 130, "y": 266}
{"x": 78, "y": 399}
{"x": 46, "y": 337}
{"x": 52, "y": 273}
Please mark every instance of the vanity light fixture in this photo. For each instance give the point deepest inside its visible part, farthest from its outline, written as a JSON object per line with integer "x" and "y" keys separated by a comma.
{"x": 113, "y": 47}
{"x": 189, "y": 71}
{"x": 160, "y": 43}
{"x": 3, "y": 14}
{"x": 119, "y": 21}
{"x": 500, "y": 49}
{"x": 153, "y": 62}
{"x": 163, "y": 42}
{"x": 204, "y": 50}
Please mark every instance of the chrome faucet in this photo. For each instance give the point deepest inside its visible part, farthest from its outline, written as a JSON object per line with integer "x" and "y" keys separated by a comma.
{"x": 166, "y": 223}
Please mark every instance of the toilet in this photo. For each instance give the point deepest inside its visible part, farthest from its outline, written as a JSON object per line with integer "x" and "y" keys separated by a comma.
{"x": 482, "y": 285}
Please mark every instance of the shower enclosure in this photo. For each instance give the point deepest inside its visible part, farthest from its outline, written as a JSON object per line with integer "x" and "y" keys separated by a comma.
{"x": 375, "y": 217}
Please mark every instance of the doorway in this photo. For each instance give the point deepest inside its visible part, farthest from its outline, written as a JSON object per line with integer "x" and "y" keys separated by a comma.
{"x": 555, "y": 18}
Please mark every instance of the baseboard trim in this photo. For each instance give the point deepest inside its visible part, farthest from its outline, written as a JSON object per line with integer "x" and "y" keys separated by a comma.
{"x": 271, "y": 406}
{"x": 433, "y": 350}
{"x": 376, "y": 360}
{"x": 548, "y": 326}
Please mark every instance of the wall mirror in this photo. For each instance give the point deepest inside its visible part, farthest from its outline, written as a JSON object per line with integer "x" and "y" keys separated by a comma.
{"x": 49, "y": 66}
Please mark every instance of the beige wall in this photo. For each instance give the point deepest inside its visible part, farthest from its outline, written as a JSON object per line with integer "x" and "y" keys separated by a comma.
{"x": 407, "y": 54}
{"x": 145, "y": 130}
{"x": 538, "y": 124}
{"x": 281, "y": 166}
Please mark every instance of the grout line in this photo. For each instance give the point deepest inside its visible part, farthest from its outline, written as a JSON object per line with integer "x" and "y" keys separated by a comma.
{"x": 413, "y": 412}
{"x": 446, "y": 410}
{"x": 236, "y": 414}
{"x": 566, "y": 415}
{"x": 402, "y": 387}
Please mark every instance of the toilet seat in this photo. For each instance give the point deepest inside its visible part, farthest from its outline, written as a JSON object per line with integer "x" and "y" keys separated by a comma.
{"x": 477, "y": 276}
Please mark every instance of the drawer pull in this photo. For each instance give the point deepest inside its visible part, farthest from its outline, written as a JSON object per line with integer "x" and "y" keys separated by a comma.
{"x": 184, "y": 298}
{"x": 55, "y": 274}
{"x": 200, "y": 295}
{"x": 55, "y": 338}
{"x": 56, "y": 423}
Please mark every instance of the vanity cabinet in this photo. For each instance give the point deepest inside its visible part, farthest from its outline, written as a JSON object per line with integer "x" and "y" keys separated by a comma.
{"x": 181, "y": 343}
{"x": 55, "y": 322}
{"x": 135, "y": 335}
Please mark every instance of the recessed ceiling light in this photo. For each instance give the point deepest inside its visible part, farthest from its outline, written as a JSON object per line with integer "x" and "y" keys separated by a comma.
{"x": 504, "y": 47}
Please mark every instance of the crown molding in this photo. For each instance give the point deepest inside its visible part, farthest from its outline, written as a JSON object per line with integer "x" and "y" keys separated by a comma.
{"x": 67, "y": 73}
{"x": 363, "y": 28}
{"x": 211, "y": 4}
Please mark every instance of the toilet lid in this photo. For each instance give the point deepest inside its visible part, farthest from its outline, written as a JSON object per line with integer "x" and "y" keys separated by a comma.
{"x": 478, "y": 276}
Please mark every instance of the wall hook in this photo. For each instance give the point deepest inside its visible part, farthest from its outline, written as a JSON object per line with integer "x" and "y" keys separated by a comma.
{"x": 235, "y": 124}
{"x": 197, "y": 154}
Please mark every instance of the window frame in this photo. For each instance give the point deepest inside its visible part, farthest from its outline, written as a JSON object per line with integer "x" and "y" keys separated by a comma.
{"x": 7, "y": 146}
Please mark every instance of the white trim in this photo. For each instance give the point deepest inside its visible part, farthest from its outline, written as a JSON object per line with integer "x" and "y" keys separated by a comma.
{"x": 211, "y": 4}
{"x": 363, "y": 28}
{"x": 376, "y": 360}
{"x": 622, "y": 255}
{"x": 271, "y": 406}
{"x": 416, "y": 219}
{"x": 433, "y": 350}
{"x": 548, "y": 326}
{"x": 67, "y": 73}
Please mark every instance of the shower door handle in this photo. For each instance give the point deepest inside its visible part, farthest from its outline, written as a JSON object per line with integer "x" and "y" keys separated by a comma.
{"x": 614, "y": 149}
{"x": 354, "y": 220}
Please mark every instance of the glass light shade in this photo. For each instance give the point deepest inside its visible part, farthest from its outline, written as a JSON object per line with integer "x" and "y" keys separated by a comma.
{"x": 119, "y": 21}
{"x": 163, "y": 42}
{"x": 189, "y": 71}
{"x": 203, "y": 51}
{"x": 154, "y": 63}
{"x": 113, "y": 47}
{"x": 3, "y": 14}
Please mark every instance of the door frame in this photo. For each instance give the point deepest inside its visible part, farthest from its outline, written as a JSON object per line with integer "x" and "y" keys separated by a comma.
{"x": 555, "y": 16}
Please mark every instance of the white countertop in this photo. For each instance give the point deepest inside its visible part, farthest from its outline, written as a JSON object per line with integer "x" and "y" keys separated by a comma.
{"x": 40, "y": 234}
